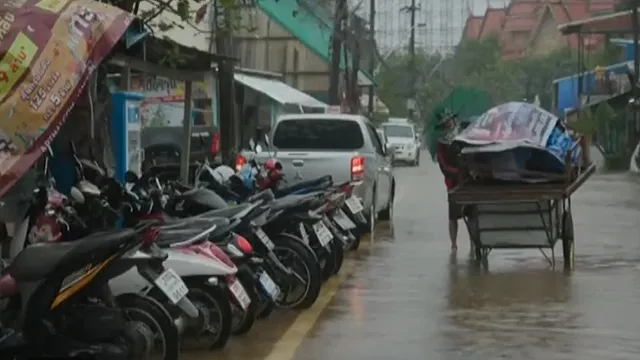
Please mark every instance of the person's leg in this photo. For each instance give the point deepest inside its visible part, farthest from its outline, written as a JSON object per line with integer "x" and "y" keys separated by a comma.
{"x": 454, "y": 215}
{"x": 453, "y": 234}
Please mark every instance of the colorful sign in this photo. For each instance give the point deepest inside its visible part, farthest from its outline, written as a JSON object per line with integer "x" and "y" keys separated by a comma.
{"x": 164, "y": 101}
{"x": 48, "y": 48}
{"x": 511, "y": 122}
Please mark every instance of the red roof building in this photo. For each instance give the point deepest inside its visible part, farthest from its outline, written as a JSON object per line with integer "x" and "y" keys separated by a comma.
{"x": 530, "y": 26}
{"x": 492, "y": 23}
{"x": 472, "y": 27}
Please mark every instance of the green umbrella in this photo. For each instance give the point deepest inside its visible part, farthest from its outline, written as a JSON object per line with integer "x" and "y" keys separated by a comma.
{"x": 466, "y": 102}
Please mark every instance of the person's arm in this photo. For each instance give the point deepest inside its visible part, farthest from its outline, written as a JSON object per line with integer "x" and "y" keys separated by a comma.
{"x": 447, "y": 169}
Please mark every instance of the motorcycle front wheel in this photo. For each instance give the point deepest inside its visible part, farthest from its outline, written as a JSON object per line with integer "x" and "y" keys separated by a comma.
{"x": 303, "y": 291}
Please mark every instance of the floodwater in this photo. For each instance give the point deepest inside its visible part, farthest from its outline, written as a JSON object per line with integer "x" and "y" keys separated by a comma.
{"x": 407, "y": 298}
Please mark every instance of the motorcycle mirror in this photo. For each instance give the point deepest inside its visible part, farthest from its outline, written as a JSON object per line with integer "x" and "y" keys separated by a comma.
{"x": 252, "y": 145}
{"x": 130, "y": 177}
{"x": 76, "y": 195}
{"x": 258, "y": 149}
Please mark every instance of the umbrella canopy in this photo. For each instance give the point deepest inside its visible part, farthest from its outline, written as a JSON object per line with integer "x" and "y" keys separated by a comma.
{"x": 466, "y": 102}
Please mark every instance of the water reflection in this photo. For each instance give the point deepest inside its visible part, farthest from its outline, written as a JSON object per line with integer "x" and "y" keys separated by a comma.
{"x": 515, "y": 312}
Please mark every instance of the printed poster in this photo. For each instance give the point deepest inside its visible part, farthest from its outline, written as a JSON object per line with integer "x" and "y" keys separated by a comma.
{"x": 48, "y": 48}
{"x": 163, "y": 104}
{"x": 512, "y": 122}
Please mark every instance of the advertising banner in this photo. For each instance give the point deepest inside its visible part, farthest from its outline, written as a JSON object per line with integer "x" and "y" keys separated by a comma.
{"x": 48, "y": 48}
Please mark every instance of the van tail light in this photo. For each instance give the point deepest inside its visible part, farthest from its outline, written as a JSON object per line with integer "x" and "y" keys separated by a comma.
{"x": 357, "y": 168}
{"x": 240, "y": 162}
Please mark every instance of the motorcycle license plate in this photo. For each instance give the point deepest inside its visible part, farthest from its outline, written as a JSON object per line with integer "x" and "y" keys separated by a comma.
{"x": 343, "y": 220}
{"x": 354, "y": 205}
{"x": 264, "y": 238}
{"x": 269, "y": 286}
{"x": 170, "y": 283}
{"x": 322, "y": 232}
{"x": 240, "y": 294}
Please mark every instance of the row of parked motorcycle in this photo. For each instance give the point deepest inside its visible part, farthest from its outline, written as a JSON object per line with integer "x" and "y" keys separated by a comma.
{"x": 140, "y": 268}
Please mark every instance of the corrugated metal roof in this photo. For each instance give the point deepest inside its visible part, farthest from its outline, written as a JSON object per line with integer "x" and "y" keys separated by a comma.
{"x": 619, "y": 22}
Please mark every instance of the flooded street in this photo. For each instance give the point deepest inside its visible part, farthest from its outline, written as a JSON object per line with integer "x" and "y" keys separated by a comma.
{"x": 405, "y": 298}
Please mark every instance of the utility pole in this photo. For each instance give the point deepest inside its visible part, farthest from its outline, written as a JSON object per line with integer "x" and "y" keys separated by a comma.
{"x": 372, "y": 56}
{"x": 337, "y": 40}
{"x": 354, "y": 39}
{"x": 226, "y": 86}
{"x": 636, "y": 73}
{"x": 412, "y": 62}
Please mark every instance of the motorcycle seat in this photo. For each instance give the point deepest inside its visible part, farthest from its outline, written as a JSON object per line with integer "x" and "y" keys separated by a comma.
{"x": 265, "y": 195}
{"x": 290, "y": 201}
{"x": 226, "y": 213}
{"x": 39, "y": 260}
{"x": 192, "y": 222}
{"x": 173, "y": 235}
{"x": 324, "y": 181}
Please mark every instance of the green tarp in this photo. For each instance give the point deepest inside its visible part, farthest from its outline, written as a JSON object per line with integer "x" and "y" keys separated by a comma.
{"x": 466, "y": 102}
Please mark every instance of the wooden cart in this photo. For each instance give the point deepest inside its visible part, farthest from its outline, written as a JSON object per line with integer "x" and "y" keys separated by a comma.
{"x": 501, "y": 215}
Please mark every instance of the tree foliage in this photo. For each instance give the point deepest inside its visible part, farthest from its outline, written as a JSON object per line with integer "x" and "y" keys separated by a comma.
{"x": 478, "y": 63}
{"x": 164, "y": 15}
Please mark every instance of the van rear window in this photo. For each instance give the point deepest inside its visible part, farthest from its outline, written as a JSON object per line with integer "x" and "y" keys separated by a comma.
{"x": 318, "y": 134}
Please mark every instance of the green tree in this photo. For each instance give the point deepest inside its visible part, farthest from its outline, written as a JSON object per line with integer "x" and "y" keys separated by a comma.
{"x": 477, "y": 63}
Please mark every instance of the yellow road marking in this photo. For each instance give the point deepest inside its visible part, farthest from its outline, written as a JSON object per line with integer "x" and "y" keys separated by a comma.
{"x": 286, "y": 347}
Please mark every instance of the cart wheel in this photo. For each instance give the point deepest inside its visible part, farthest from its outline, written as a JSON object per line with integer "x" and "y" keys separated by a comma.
{"x": 568, "y": 247}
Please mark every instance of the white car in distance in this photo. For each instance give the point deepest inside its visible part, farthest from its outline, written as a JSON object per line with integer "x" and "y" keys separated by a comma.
{"x": 403, "y": 142}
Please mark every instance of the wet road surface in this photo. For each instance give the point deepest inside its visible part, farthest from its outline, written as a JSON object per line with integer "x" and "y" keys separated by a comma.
{"x": 405, "y": 298}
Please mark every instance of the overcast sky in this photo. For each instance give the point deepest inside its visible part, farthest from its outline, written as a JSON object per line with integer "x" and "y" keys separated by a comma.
{"x": 440, "y": 22}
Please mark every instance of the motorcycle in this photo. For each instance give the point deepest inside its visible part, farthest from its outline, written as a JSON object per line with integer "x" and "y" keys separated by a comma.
{"x": 59, "y": 303}
{"x": 180, "y": 236}
{"x": 189, "y": 259}
{"x": 325, "y": 228}
{"x": 277, "y": 280}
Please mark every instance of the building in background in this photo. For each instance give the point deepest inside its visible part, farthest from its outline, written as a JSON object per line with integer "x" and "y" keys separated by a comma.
{"x": 530, "y": 27}
{"x": 293, "y": 38}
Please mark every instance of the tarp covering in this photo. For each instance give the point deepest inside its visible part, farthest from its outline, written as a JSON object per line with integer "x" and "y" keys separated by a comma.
{"x": 48, "y": 49}
{"x": 466, "y": 102}
{"x": 518, "y": 136}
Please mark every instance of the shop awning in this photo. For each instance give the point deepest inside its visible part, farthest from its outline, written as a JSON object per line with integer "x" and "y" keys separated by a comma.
{"x": 278, "y": 91}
